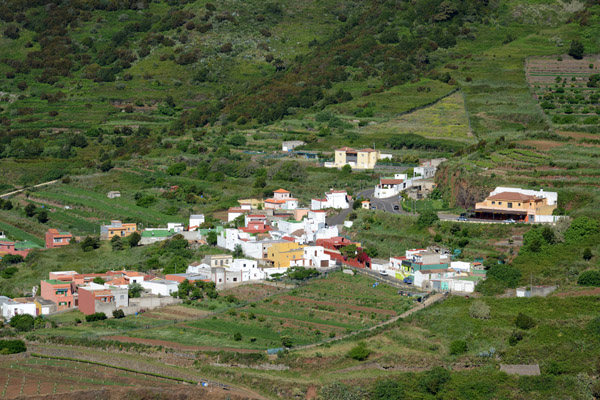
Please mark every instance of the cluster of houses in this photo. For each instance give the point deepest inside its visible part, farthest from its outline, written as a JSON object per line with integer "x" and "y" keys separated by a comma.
{"x": 418, "y": 186}
{"x": 432, "y": 269}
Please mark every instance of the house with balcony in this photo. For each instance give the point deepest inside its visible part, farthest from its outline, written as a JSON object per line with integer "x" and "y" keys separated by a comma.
{"x": 56, "y": 238}
{"x": 518, "y": 204}
{"x": 117, "y": 228}
{"x": 281, "y": 200}
{"x": 95, "y": 298}
{"x": 59, "y": 292}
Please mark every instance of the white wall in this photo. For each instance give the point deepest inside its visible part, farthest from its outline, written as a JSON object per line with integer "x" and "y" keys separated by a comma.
{"x": 161, "y": 288}
{"x": 12, "y": 308}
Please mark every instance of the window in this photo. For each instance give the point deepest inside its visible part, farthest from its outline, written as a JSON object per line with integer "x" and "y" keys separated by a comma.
{"x": 493, "y": 202}
{"x": 235, "y": 279}
{"x": 499, "y": 203}
{"x": 509, "y": 205}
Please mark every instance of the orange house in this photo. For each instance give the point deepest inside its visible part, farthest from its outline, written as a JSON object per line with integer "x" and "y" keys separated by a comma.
{"x": 54, "y": 238}
{"x": 59, "y": 292}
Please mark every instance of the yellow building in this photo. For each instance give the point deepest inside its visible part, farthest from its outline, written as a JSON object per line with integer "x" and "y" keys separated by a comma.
{"x": 117, "y": 228}
{"x": 357, "y": 159}
{"x": 257, "y": 204}
{"x": 281, "y": 254}
{"x": 516, "y": 205}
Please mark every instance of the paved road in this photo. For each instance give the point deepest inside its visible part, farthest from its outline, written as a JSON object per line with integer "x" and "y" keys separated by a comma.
{"x": 386, "y": 205}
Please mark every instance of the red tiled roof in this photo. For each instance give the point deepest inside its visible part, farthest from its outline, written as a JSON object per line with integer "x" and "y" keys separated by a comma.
{"x": 391, "y": 181}
{"x": 274, "y": 201}
{"x": 347, "y": 149}
{"x": 512, "y": 196}
{"x": 281, "y": 191}
{"x": 256, "y": 216}
{"x": 367, "y": 150}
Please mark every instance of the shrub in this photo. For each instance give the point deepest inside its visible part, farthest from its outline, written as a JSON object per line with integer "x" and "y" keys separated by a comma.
{"x": 359, "y": 352}
{"x": 22, "y": 322}
{"x": 479, "y": 310}
{"x": 505, "y": 273}
{"x": 286, "y": 341}
{"x": 176, "y": 169}
{"x": 524, "y": 321}
{"x": 118, "y": 314}
{"x": 515, "y": 338}
{"x": 589, "y": 278}
{"x": 12, "y": 347}
{"x": 237, "y": 336}
{"x": 434, "y": 379}
{"x": 458, "y": 347}
{"x": 10, "y": 259}
{"x": 99, "y": 316}
{"x": 427, "y": 218}
{"x": 576, "y": 50}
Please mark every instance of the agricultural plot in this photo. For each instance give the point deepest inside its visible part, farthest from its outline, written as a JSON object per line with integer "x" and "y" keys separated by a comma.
{"x": 40, "y": 377}
{"x": 568, "y": 90}
{"x": 323, "y": 308}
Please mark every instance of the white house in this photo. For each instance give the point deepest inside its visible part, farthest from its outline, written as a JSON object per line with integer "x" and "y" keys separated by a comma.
{"x": 317, "y": 257}
{"x": 10, "y": 308}
{"x": 113, "y": 194}
{"x": 235, "y": 212}
{"x": 290, "y": 145}
{"x": 175, "y": 227}
{"x": 160, "y": 287}
{"x": 281, "y": 200}
{"x": 338, "y": 199}
{"x": 424, "y": 172}
{"x": 195, "y": 221}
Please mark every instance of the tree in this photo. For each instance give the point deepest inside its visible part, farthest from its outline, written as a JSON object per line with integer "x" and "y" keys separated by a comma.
{"x": 349, "y": 251}
{"x": 359, "y": 352}
{"x": 524, "y": 321}
{"x": 237, "y": 140}
{"x": 346, "y": 169}
{"x": 116, "y": 243}
{"x": 135, "y": 290}
{"x": 99, "y": 316}
{"x": 118, "y": 314}
{"x": 12, "y": 347}
{"x": 42, "y": 216}
{"x": 90, "y": 243}
{"x": 99, "y": 280}
{"x": 30, "y": 210}
{"x": 589, "y": 278}
{"x": 587, "y": 254}
{"x": 576, "y": 50}
{"x": 286, "y": 341}
{"x": 22, "y": 322}
{"x": 211, "y": 238}
{"x": 433, "y": 380}
{"x": 427, "y": 218}
{"x": 10, "y": 259}
{"x": 134, "y": 239}
{"x": 176, "y": 169}
{"x": 238, "y": 251}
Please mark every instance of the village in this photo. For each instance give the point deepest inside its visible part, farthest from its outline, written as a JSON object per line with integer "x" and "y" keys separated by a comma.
{"x": 262, "y": 240}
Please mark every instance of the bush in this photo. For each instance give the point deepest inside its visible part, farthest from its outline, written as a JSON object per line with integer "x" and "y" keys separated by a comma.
{"x": 12, "y": 347}
{"x": 433, "y": 381}
{"x": 589, "y": 278}
{"x": 458, "y": 347}
{"x": 515, "y": 338}
{"x": 99, "y": 316}
{"x": 176, "y": 169}
{"x": 427, "y": 218}
{"x": 237, "y": 336}
{"x": 479, "y": 310}
{"x": 360, "y": 352}
{"x": 524, "y": 321}
{"x": 10, "y": 259}
{"x": 286, "y": 341}
{"x": 22, "y": 322}
{"x": 118, "y": 314}
{"x": 576, "y": 50}
{"x": 505, "y": 273}
{"x": 387, "y": 389}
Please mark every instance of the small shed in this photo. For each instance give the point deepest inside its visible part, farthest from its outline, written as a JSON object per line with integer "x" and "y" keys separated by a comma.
{"x": 113, "y": 194}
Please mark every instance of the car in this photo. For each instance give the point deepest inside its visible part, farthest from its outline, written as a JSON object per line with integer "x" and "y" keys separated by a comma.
{"x": 408, "y": 280}
{"x": 396, "y": 207}
{"x": 462, "y": 219}
{"x": 510, "y": 221}
{"x": 373, "y": 207}
{"x": 383, "y": 272}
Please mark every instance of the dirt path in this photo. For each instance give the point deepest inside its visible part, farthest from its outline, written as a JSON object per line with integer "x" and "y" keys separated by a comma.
{"x": 432, "y": 300}
{"x": 25, "y": 188}
{"x": 328, "y": 303}
{"x": 178, "y": 346}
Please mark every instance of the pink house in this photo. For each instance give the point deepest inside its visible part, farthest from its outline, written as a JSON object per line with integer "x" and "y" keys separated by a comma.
{"x": 54, "y": 238}
{"x": 59, "y": 292}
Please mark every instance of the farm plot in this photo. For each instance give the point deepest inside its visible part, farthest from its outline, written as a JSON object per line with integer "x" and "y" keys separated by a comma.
{"x": 39, "y": 377}
{"x": 568, "y": 91}
{"x": 323, "y": 308}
